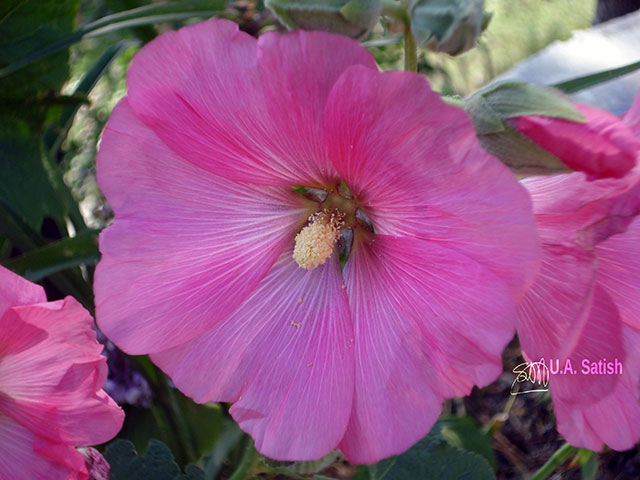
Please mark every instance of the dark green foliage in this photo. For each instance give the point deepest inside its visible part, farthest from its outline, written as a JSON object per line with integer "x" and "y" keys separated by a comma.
{"x": 156, "y": 464}
{"x": 433, "y": 457}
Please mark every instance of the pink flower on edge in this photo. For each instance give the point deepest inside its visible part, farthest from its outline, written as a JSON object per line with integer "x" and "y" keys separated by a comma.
{"x": 51, "y": 377}
{"x": 585, "y": 305}
{"x": 602, "y": 146}
{"x": 200, "y": 163}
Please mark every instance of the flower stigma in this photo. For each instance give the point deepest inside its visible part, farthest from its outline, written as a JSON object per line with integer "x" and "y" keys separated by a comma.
{"x": 315, "y": 242}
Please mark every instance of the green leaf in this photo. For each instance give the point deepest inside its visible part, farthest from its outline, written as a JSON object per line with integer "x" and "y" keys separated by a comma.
{"x": 190, "y": 430}
{"x": 580, "y": 83}
{"x": 31, "y": 185}
{"x": 149, "y": 14}
{"x": 54, "y": 257}
{"x": 156, "y": 464}
{"x": 28, "y": 25}
{"x": 24, "y": 183}
{"x": 463, "y": 433}
{"x": 433, "y": 457}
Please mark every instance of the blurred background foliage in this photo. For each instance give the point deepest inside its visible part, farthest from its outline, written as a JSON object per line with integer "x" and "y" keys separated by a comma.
{"x": 51, "y": 210}
{"x": 517, "y": 30}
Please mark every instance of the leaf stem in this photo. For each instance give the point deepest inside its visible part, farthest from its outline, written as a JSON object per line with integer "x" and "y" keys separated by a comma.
{"x": 558, "y": 458}
{"x": 247, "y": 462}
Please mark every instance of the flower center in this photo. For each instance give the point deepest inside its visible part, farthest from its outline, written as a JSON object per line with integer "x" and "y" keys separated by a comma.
{"x": 315, "y": 242}
{"x": 332, "y": 228}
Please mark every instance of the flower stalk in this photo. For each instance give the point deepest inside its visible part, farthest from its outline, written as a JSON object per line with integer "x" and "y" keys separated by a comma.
{"x": 558, "y": 458}
{"x": 410, "y": 51}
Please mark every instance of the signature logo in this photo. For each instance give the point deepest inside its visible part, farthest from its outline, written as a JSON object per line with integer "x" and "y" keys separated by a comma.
{"x": 535, "y": 373}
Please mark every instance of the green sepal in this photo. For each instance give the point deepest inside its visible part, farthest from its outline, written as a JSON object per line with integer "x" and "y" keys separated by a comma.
{"x": 491, "y": 109}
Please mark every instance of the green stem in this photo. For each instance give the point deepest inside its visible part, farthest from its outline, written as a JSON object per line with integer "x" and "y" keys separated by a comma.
{"x": 558, "y": 458}
{"x": 396, "y": 10}
{"x": 247, "y": 463}
{"x": 410, "y": 51}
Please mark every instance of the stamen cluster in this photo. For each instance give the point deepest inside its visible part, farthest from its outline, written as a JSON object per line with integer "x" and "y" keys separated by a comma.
{"x": 315, "y": 242}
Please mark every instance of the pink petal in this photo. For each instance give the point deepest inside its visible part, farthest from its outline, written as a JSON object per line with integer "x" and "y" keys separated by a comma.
{"x": 284, "y": 357}
{"x": 414, "y": 164}
{"x": 186, "y": 247}
{"x": 564, "y": 317}
{"x": 632, "y": 117}
{"x": 20, "y": 460}
{"x": 429, "y": 323}
{"x": 602, "y": 147}
{"x": 569, "y": 208}
{"x": 619, "y": 272}
{"x": 18, "y": 291}
{"x": 53, "y": 387}
{"x": 595, "y": 335}
{"x": 66, "y": 455}
{"x": 18, "y": 336}
{"x": 245, "y": 110}
{"x": 561, "y": 294}
{"x": 615, "y": 418}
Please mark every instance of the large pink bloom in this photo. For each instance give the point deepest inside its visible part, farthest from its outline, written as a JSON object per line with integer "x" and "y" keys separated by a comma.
{"x": 51, "y": 377}
{"x": 585, "y": 304}
{"x": 199, "y": 163}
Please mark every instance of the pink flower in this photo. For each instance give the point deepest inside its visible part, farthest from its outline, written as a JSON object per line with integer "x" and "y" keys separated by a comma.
{"x": 199, "y": 163}
{"x": 51, "y": 377}
{"x": 585, "y": 306}
{"x": 603, "y": 146}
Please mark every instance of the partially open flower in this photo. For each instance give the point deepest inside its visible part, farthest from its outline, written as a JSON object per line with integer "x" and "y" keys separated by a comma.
{"x": 51, "y": 377}
{"x": 535, "y": 129}
{"x": 449, "y": 26}
{"x": 322, "y": 244}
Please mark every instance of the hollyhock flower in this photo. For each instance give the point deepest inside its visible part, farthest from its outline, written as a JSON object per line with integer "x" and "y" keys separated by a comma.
{"x": 602, "y": 146}
{"x": 584, "y": 306}
{"x": 240, "y": 172}
{"x": 51, "y": 374}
